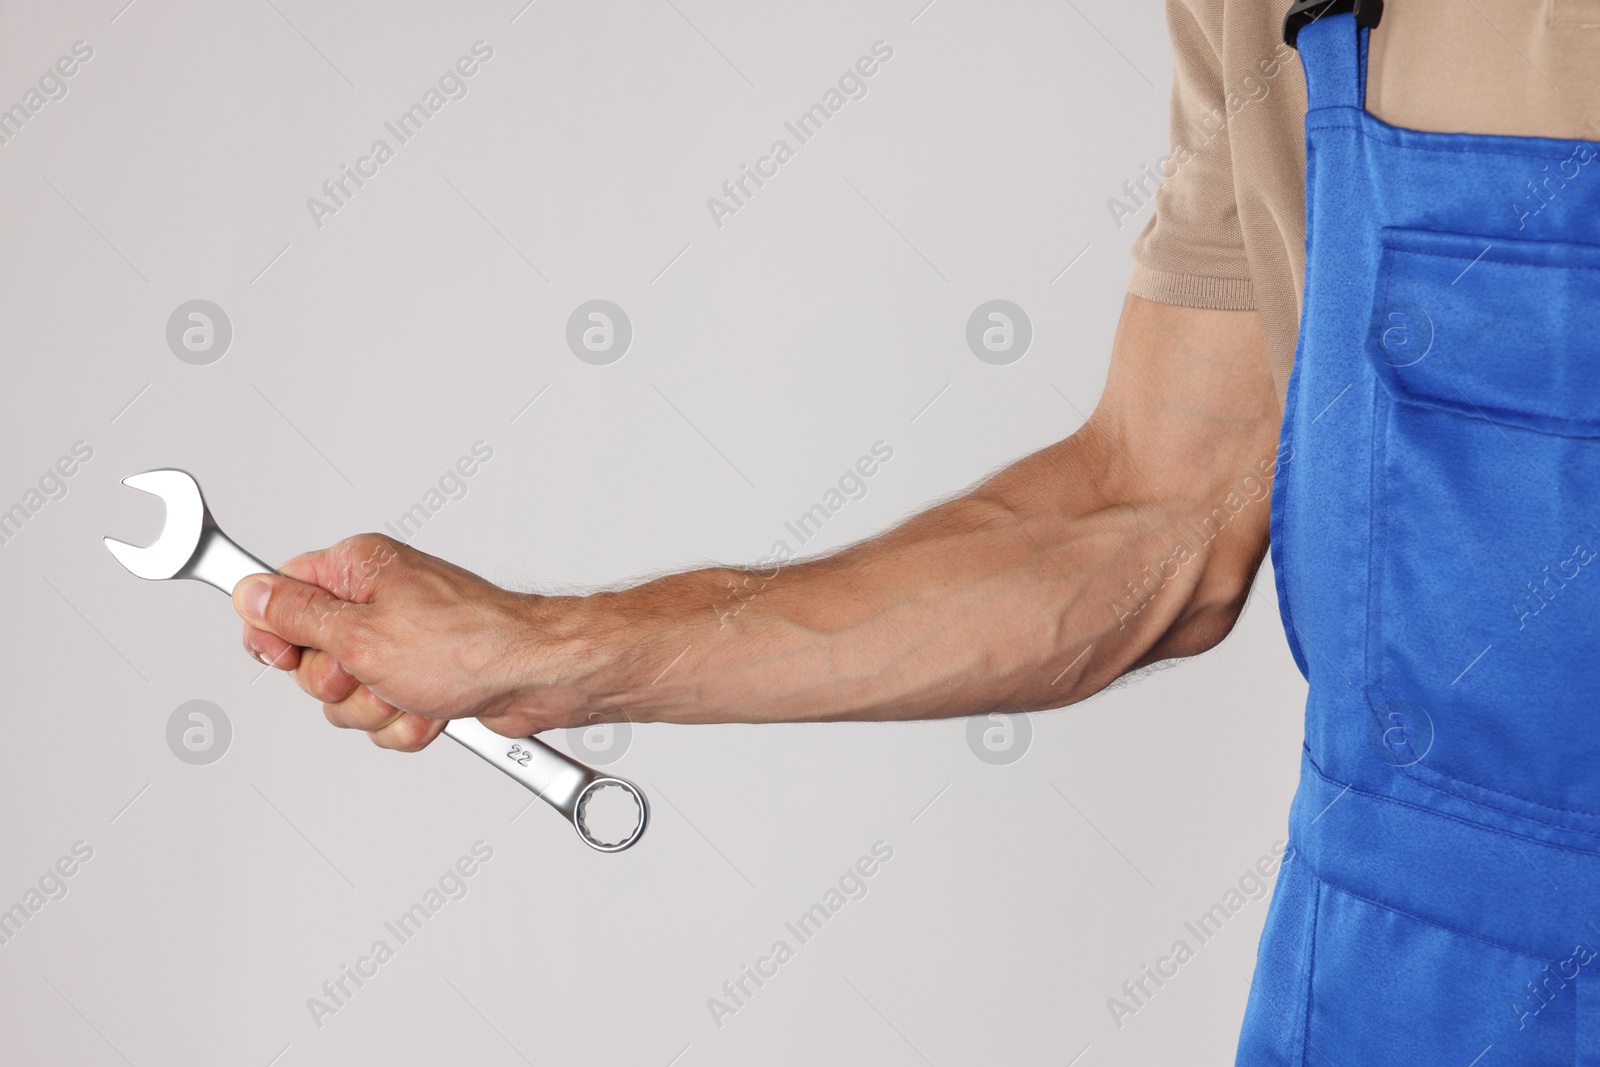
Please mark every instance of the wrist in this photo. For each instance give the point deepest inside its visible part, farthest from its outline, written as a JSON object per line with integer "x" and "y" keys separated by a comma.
{"x": 598, "y": 657}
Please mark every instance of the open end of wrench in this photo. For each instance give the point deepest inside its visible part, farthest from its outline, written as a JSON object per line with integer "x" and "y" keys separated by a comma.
{"x": 611, "y": 814}
{"x": 191, "y": 545}
{"x": 180, "y": 536}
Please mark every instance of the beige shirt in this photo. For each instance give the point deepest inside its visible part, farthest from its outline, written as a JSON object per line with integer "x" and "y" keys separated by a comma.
{"x": 1228, "y": 229}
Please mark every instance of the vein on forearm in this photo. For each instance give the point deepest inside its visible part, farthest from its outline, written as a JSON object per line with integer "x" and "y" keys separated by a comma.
{"x": 978, "y": 605}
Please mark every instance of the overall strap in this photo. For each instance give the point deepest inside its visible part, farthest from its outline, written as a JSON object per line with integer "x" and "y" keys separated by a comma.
{"x": 1334, "y": 52}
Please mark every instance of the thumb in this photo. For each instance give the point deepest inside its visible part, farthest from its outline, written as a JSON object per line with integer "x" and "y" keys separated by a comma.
{"x": 299, "y": 613}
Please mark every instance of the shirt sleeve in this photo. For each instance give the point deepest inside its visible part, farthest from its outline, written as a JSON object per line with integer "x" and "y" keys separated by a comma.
{"x": 1192, "y": 250}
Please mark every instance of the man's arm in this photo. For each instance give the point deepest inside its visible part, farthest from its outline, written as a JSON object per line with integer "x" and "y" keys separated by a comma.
{"x": 1134, "y": 540}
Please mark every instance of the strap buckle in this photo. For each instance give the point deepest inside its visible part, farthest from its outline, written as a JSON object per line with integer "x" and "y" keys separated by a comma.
{"x": 1305, "y": 12}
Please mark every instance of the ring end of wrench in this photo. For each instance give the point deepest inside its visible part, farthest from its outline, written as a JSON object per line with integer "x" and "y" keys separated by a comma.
{"x": 596, "y": 786}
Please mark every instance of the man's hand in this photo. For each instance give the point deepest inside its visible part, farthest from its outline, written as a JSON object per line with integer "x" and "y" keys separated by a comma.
{"x": 396, "y": 642}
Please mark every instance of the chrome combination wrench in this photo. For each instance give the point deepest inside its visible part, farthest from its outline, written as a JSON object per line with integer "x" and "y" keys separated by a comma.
{"x": 192, "y": 545}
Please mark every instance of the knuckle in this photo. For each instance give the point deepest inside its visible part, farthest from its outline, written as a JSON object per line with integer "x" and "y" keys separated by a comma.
{"x": 408, "y": 733}
{"x": 354, "y": 650}
{"x": 293, "y": 606}
{"x": 303, "y": 678}
{"x": 368, "y": 541}
{"x": 330, "y": 682}
{"x": 377, "y": 709}
{"x": 360, "y": 641}
{"x": 365, "y": 555}
{"x": 302, "y": 568}
{"x": 361, "y": 544}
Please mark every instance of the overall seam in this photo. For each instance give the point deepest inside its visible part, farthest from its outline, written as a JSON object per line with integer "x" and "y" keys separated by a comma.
{"x": 1356, "y": 128}
{"x": 1436, "y": 813}
{"x": 1311, "y": 964}
{"x": 1424, "y": 921}
{"x": 1563, "y": 267}
{"x": 1511, "y": 796}
{"x": 1377, "y": 536}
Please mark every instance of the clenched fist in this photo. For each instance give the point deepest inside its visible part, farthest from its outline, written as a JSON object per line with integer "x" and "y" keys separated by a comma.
{"x": 396, "y": 642}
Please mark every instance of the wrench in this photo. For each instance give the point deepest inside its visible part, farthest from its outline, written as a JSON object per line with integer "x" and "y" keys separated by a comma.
{"x": 192, "y": 545}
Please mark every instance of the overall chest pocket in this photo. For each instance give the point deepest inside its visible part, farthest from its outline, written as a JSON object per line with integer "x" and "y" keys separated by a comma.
{"x": 1484, "y": 589}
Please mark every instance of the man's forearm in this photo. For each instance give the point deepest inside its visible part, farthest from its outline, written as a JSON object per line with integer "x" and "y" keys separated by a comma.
{"x": 1036, "y": 590}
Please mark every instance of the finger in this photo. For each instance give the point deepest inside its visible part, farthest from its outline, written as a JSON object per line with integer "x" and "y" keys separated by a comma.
{"x": 517, "y": 723}
{"x": 271, "y": 649}
{"x": 323, "y": 677}
{"x": 298, "y": 613}
{"x": 408, "y": 732}
{"x": 362, "y": 710}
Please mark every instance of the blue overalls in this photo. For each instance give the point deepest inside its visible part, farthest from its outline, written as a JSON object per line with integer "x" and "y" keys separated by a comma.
{"x": 1436, "y": 536}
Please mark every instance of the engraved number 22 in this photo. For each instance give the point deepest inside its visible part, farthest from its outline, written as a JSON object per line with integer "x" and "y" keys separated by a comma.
{"x": 519, "y": 755}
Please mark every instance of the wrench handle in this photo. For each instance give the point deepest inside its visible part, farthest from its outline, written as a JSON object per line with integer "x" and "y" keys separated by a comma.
{"x": 219, "y": 562}
{"x": 558, "y": 780}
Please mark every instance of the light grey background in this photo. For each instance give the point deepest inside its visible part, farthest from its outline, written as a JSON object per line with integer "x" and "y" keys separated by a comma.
{"x": 767, "y": 355}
